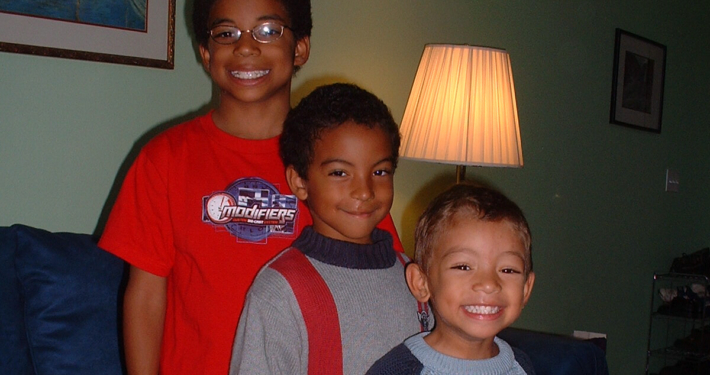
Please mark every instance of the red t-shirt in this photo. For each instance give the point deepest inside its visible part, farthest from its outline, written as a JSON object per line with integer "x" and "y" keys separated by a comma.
{"x": 206, "y": 210}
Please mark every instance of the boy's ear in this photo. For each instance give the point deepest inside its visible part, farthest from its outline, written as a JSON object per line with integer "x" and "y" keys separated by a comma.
{"x": 417, "y": 282}
{"x": 205, "y": 54}
{"x": 296, "y": 183}
{"x": 527, "y": 288}
{"x": 303, "y": 50}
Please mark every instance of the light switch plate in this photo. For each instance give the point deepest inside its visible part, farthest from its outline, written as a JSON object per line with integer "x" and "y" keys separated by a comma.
{"x": 672, "y": 181}
{"x": 587, "y": 335}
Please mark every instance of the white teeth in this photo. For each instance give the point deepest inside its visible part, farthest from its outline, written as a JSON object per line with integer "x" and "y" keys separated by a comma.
{"x": 253, "y": 74}
{"x": 483, "y": 310}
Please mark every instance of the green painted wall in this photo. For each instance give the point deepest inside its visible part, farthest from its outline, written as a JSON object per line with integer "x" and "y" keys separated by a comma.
{"x": 592, "y": 191}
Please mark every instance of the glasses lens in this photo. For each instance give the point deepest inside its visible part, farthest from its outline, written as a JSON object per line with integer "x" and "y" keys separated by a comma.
{"x": 225, "y": 34}
{"x": 268, "y": 32}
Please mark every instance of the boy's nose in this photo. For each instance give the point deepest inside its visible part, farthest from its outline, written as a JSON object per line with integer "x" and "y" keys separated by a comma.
{"x": 363, "y": 189}
{"x": 487, "y": 282}
{"x": 246, "y": 45}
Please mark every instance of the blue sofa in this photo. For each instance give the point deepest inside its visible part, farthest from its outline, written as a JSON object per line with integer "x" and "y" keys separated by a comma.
{"x": 60, "y": 303}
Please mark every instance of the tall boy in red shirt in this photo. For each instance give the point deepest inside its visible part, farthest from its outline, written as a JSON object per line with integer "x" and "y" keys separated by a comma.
{"x": 206, "y": 203}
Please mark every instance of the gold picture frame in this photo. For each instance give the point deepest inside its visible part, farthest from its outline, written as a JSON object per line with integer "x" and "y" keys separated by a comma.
{"x": 45, "y": 36}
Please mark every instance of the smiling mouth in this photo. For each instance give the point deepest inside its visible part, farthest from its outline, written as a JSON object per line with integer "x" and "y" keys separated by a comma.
{"x": 252, "y": 74}
{"x": 361, "y": 213}
{"x": 482, "y": 310}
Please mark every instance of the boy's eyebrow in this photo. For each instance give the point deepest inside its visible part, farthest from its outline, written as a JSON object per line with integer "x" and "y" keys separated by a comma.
{"x": 453, "y": 252}
{"x": 457, "y": 250}
{"x": 517, "y": 254}
{"x": 266, "y": 17}
{"x": 330, "y": 161}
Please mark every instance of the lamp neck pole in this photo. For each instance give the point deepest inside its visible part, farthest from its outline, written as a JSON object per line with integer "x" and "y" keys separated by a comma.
{"x": 460, "y": 173}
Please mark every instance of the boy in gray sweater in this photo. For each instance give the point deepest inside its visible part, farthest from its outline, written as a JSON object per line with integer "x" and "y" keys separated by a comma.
{"x": 336, "y": 300}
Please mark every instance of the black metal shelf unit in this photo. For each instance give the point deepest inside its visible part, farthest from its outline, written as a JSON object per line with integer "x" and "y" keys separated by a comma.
{"x": 678, "y": 332}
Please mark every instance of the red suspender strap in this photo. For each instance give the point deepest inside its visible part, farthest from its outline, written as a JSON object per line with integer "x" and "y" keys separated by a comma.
{"x": 325, "y": 351}
{"x": 422, "y": 308}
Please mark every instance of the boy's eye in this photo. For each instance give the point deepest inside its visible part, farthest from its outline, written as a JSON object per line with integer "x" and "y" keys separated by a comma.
{"x": 337, "y": 173}
{"x": 268, "y": 30}
{"x": 382, "y": 172}
{"x": 510, "y": 271}
{"x": 225, "y": 33}
{"x": 462, "y": 267}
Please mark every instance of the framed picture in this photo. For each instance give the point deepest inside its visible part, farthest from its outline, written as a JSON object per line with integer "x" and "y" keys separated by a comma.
{"x": 134, "y": 32}
{"x": 637, "y": 87}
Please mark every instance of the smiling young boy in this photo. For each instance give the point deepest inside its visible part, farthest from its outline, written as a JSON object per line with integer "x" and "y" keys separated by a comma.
{"x": 336, "y": 300}
{"x": 474, "y": 266}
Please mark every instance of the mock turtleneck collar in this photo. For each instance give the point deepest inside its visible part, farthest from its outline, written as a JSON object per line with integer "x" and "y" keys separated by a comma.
{"x": 438, "y": 363}
{"x": 377, "y": 255}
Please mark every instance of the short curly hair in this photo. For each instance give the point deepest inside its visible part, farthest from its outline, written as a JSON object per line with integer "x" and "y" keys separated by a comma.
{"x": 328, "y": 107}
{"x": 467, "y": 202}
{"x": 299, "y": 13}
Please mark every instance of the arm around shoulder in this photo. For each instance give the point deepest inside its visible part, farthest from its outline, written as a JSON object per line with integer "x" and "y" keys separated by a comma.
{"x": 143, "y": 319}
{"x": 397, "y": 361}
{"x": 524, "y": 361}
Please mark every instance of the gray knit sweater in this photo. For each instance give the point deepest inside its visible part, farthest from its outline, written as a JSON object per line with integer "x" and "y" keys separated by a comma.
{"x": 375, "y": 309}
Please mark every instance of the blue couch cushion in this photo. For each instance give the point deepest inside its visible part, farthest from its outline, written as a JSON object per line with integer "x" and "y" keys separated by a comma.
{"x": 14, "y": 349}
{"x": 71, "y": 291}
{"x": 557, "y": 354}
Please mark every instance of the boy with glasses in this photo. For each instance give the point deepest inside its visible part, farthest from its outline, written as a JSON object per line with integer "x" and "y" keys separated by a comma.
{"x": 206, "y": 203}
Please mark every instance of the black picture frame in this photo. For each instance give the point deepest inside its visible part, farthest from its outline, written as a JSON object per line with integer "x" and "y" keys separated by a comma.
{"x": 153, "y": 47}
{"x": 638, "y": 82}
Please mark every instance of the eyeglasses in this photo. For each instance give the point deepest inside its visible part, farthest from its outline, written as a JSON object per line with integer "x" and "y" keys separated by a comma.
{"x": 268, "y": 32}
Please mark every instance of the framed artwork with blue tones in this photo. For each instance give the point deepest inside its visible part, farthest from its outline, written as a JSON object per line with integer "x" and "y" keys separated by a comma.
{"x": 133, "y": 32}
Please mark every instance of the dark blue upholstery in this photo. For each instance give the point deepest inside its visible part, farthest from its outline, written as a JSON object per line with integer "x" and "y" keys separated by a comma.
{"x": 14, "y": 349}
{"x": 60, "y": 298}
{"x": 557, "y": 354}
{"x": 60, "y": 310}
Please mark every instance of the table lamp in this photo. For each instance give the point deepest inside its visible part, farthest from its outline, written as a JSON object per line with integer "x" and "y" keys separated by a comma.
{"x": 462, "y": 109}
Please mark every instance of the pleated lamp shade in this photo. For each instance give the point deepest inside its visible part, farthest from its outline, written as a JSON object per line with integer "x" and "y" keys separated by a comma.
{"x": 462, "y": 109}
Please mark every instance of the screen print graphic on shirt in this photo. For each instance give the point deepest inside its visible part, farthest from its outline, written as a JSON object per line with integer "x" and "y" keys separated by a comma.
{"x": 251, "y": 209}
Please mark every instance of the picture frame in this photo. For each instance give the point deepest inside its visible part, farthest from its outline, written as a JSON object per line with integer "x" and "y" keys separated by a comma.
{"x": 38, "y": 34}
{"x": 638, "y": 82}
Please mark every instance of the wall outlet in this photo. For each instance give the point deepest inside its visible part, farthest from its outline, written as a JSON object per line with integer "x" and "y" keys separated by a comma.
{"x": 672, "y": 181}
